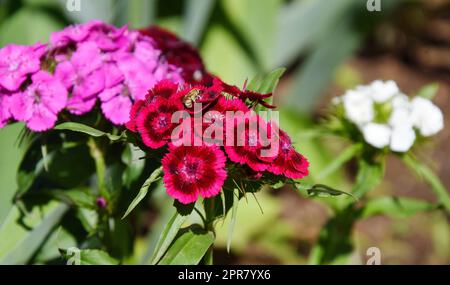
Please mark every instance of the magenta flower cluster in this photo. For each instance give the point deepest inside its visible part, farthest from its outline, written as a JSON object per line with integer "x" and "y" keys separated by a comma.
{"x": 80, "y": 66}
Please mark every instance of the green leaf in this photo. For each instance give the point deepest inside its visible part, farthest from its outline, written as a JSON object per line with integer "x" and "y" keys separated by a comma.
{"x": 398, "y": 207}
{"x": 143, "y": 191}
{"x": 324, "y": 191}
{"x": 82, "y": 198}
{"x": 18, "y": 29}
{"x": 76, "y": 256}
{"x": 233, "y": 220}
{"x": 60, "y": 172}
{"x": 314, "y": 74}
{"x": 141, "y": 13}
{"x": 132, "y": 158}
{"x": 188, "y": 249}
{"x": 49, "y": 251}
{"x": 335, "y": 245}
{"x": 20, "y": 240}
{"x": 89, "y": 219}
{"x": 270, "y": 82}
{"x": 196, "y": 16}
{"x": 429, "y": 91}
{"x": 234, "y": 65}
{"x": 256, "y": 21}
{"x": 266, "y": 84}
{"x": 368, "y": 177}
{"x": 81, "y": 128}
{"x": 339, "y": 161}
{"x": 430, "y": 178}
{"x": 167, "y": 236}
{"x": 302, "y": 24}
{"x": 12, "y": 154}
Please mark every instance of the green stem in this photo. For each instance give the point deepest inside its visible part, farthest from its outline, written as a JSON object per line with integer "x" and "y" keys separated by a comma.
{"x": 100, "y": 166}
{"x": 209, "y": 205}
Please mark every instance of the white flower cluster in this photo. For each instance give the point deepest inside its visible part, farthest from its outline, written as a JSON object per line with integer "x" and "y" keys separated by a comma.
{"x": 388, "y": 118}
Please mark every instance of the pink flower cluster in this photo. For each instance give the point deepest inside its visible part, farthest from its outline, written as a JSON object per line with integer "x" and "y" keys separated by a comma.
{"x": 199, "y": 169}
{"x": 28, "y": 93}
{"x": 89, "y": 63}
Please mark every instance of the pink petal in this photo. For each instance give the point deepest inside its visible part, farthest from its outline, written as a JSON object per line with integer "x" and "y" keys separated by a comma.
{"x": 65, "y": 72}
{"x": 86, "y": 58}
{"x": 90, "y": 85}
{"x": 113, "y": 75}
{"x": 21, "y": 105}
{"x": 117, "y": 110}
{"x": 11, "y": 81}
{"x": 42, "y": 119}
{"x": 109, "y": 93}
{"x": 79, "y": 106}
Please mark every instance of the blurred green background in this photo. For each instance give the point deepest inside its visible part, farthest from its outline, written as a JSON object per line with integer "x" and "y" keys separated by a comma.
{"x": 327, "y": 46}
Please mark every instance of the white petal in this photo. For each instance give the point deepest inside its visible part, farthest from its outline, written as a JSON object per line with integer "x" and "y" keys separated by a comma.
{"x": 426, "y": 116}
{"x": 401, "y": 101}
{"x": 401, "y": 117}
{"x": 383, "y": 91}
{"x": 402, "y": 139}
{"x": 377, "y": 135}
{"x": 358, "y": 107}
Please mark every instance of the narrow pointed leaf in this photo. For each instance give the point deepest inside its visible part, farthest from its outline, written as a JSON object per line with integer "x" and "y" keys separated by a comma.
{"x": 339, "y": 161}
{"x": 19, "y": 243}
{"x": 430, "y": 178}
{"x": 233, "y": 220}
{"x": 77, "y": 127}
{"x": 167, "y": 236}
{"x": 144, "y": 190}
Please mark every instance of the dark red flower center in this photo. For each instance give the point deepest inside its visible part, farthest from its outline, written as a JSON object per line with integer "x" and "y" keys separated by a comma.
{"x": 190, "y": 170}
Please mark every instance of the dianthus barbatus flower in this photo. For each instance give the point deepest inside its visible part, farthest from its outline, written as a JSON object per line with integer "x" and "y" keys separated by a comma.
{"x": 16, "y": 62}
{"x": 251, "y": 143}
{"x": 83, "y": 77}
{"x": 164, "y": 89}
{"x": 288, "y": 162}
{"x": 40, "y": 103}
{"x": 193, "y": 171}
{"x": 154, "y": 122}
{"x": 179, "y": 54}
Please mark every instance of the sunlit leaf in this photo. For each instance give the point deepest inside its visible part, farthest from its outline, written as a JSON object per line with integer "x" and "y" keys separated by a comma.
{"x": 167, "y": 236}
{"x": 339, "y": 161}
{"x": 188, "y": 249}
{"x": 143, "y": 191}
{"x": 18, "y": 243}
{"x": 233, "y": 220}
{"x": 196, "y": 16}
{"x": 429, "y": 91}
{"x": 81, "y": 128}
{"x": 396, "y": 207}
{"x": 76, "y": 256}
{"x": 368, "y": 177}
{"x": 430, "y": 178}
